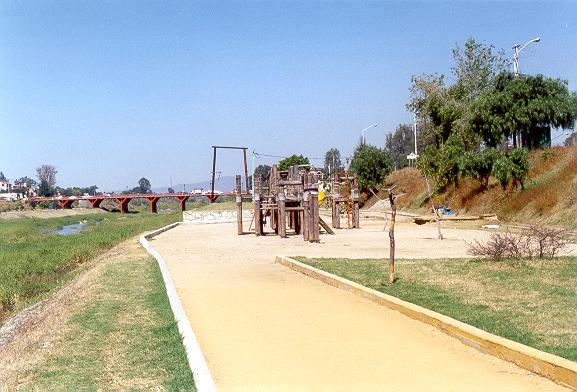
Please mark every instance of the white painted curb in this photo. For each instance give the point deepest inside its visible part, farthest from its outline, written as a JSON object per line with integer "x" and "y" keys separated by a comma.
{"x": 196, "y": 362}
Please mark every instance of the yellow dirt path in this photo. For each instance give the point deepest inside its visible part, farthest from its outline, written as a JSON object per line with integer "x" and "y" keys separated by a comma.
{"x": 264, "y": 327}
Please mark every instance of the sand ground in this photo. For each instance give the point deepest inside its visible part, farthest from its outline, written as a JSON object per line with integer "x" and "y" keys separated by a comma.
{"x": 265, "y": 327}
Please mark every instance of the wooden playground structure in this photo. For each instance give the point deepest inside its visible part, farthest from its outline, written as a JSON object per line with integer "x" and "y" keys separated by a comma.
{"x": 289, "y": 200}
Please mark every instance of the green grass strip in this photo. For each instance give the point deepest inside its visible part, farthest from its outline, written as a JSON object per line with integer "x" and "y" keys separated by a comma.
{"x": 530, "y": 302}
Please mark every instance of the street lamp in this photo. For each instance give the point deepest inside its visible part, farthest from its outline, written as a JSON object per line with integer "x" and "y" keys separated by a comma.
{"x": 518, "y": 48}
{"x": 363, "y": 132}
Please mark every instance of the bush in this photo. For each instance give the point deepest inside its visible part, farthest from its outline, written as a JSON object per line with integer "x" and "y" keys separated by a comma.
{"x": 479, "y": 166}
{"x": 512, "y": 168}
{"x": 535, "y": 242}
{"x": 519, "y": 158}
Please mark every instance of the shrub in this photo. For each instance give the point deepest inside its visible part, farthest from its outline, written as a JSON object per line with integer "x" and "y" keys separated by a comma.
{"x": 519, "y": 158}
{"x": 536, "y": 241}
{"x": 479, "y": 166}
{"x": 512, "y": 167}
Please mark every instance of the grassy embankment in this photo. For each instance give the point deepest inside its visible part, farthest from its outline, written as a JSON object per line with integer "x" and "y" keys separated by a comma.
{"x": 118, "y": 331}
{"x": 34, "y": 262}
{"x": 122, "y": 336}
{"x": 531, "y": 302}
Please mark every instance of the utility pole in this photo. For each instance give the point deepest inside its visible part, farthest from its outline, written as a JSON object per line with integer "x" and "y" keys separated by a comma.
{"x": 517, "y": 49}
{"x": 415, "y": 130}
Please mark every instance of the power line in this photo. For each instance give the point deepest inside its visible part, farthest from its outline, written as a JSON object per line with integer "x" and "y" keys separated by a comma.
{"x": 258, "y": 155}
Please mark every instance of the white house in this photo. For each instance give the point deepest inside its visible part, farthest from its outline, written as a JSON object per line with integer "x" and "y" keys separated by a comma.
{"x": 5, "y": 186}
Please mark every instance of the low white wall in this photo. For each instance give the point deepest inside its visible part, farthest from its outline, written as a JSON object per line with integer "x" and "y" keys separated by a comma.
{"x": 217, "y": 216}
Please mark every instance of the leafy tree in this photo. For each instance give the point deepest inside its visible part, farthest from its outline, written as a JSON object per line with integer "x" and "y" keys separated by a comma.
{"x": 333, "y": 162}
{"x": 527, "y": 106}
{"x": 144, "y": 185}
{"x": 285, "y": 163}
{"x": 262, "y": 171}
{"x": 479, "y": 166}
{"x": 476, "y": 66}
{"x": 26, "y": 180}
{"x": 400, "y": 144}
{"x": 44, "y": 189}
{"x": 2, "y": 177}
{"x": 91, "y": 190}
{"x": 447, "y": 109}
{"x": 442, "y": 164}
{"x": 371, "y": 164}
{"x": 47, "y": 173}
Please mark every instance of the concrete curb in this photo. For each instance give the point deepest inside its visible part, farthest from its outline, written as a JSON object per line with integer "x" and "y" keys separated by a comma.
{"x": 548, "y": 365}
{"x": 196, "y": 361}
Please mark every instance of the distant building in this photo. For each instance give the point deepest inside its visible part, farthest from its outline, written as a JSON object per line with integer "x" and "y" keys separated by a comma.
{"x": 10, "y": 196}
{"x": 5, "y": 186}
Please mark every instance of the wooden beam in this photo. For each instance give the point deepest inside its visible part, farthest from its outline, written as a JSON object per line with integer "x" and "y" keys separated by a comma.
{"x": 325, "y": 226}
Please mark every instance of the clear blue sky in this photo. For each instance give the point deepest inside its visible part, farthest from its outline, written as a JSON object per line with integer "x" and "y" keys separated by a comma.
{"x": 110, "y": 91}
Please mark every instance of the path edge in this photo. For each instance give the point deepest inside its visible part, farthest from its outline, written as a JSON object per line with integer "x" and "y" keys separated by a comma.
{"x": 553, "y": 367}
{"x": 196, "y": 361}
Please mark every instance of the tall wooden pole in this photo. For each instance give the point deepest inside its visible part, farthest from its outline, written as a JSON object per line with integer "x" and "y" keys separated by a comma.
{"x": 392, "y": 238}
{"x": 245, "y": 171}
{"x": 281, "y": 224}
{"x": 213, "y": 173}
{"x": 238, "y": 205}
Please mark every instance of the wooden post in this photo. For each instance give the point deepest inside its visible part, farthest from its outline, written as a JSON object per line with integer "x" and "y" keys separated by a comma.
{"x": 245, "y": 171}
{"x": 356, "y": 200}
{"x": 213, "y": 173}
{"x": 314, "y": 234}
{"x": 392, "y": 238}
{"x": 281, "y": 224}
{"x": 306, "y": 215}
{"x": 257, "y": 215}
{"x": 336, "y": 213}
{"x": 238, "y": 206}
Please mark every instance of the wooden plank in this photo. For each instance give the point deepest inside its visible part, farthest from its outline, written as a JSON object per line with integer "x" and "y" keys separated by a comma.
{"x": 325, "y": 226}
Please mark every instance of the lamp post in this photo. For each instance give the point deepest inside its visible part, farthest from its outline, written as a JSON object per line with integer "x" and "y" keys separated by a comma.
{"x": 363, "y": 132}
{"x": 518, "y": 48}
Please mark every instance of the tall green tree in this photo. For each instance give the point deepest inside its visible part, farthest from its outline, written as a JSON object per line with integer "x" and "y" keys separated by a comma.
{"x": 47, "y": 173}
{"x": 447, "y": 109}
{"x": 371, "y": 164}
{"x": 262, "y": 171}
{"x": 399, "y": 144}
{"x": 525, "y": 106}
{"x": 442, "y": 164}
{"x": 294, "y": 159}
{"x": 27, "y": 181}
{"x": 2, "y": 176}
{"x": 144, "y": 185}
{"x": 333, "y": 162}
{"x": 44, "y": 189}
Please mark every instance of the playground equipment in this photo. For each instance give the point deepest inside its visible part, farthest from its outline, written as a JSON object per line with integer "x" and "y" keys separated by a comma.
{"x": 345, "y": 198}
{"x": 290, "y": 199}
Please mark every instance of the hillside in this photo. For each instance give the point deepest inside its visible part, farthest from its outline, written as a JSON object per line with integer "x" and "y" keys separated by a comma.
{"x": 549, "y": 197}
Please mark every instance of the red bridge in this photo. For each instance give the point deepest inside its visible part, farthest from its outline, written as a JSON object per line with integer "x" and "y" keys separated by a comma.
{"x": 124, "y": 199}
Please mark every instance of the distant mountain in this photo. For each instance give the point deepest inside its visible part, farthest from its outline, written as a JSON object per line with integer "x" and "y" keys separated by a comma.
{"x": 223, "y": 184}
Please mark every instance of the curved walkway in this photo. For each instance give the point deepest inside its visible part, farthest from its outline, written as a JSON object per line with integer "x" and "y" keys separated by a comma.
{"x": 264, "y": 327}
